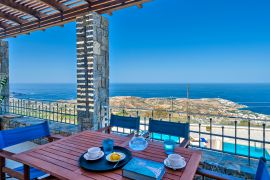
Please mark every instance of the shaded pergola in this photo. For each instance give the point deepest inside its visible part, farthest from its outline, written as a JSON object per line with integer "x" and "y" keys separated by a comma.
{"x": 24, "y": 16}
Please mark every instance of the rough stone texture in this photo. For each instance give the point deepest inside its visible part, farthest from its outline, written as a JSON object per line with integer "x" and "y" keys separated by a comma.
{"x": 92, "y": 70}
{"x": 4, "y": 71}
{"x": 14, "y": 121}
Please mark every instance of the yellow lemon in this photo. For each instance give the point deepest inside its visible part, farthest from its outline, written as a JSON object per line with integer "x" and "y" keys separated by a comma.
{"x": 115, "y": 157}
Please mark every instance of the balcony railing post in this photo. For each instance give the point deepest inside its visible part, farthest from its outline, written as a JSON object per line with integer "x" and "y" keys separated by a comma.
{"x": 50, "y": 110}
{"x": 22, "y": 106}
{"x": 248, "y": 142}
{"x": 46, "y": 112}
{"x": 235, "y": 137}
{"x": 17, "y": 107}
{"x": 69, "y": 115}
{"x": 61, "y": 114}
{"x": 211, "y": 121}
{"x": 53, "y": 113}
{"x": 264, "y": 140}
{"x": 57, "y": 112}
{"x": 222, "y": 131}
{"x": 38, "y": 111}
{"x": 74, "y": 114}
{"x": 12, "y": 105}
{"x": 199, "y": 134}
{"x": 42, "y": 110}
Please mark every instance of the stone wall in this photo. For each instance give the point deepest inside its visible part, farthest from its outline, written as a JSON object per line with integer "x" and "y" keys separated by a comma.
{"x": 9, "y": 121}
{"x": 92, "y": 70}
{"x": 4, "y": 74}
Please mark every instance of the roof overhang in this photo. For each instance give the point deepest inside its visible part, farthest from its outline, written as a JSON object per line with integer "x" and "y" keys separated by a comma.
{"x": 25, "y": 16}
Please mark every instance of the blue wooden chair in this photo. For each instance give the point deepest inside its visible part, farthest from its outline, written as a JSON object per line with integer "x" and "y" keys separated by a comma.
{"x": 262, "y": 171}
{"x": 179, "y": 130}
{"x": 261, "y": 174}
{"x": 132, "y": 123}
{"x": 16, "y": 136}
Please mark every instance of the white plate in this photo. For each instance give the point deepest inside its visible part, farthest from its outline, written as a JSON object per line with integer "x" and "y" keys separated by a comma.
{"x": 166, "y": 162}
{"x": 123, "y": 156}
{"x": 101, "y": 154}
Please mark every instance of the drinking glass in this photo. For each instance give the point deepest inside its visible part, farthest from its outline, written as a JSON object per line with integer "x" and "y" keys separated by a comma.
{"x": 108, "y": 146}
{"x": 169, "y": 146}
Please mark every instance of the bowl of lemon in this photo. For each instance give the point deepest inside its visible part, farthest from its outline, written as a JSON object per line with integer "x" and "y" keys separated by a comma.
{"x": 115, "y": 157}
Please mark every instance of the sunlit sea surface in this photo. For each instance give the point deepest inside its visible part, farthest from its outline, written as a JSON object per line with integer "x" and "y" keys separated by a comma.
{"x": 255, "y": 96}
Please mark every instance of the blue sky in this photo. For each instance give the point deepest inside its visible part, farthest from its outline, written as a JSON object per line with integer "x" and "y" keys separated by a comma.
{"x": 176, "y": 41}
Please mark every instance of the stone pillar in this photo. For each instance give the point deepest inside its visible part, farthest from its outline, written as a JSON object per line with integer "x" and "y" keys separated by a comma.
{"x": 4, "y": 77}
{"x": 92, "y": 70}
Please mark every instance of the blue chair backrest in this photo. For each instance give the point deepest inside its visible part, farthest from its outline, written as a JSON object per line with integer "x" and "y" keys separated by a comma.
{"x": 18, "y": 135}
{"x": 169, "y": 128}
{"x": 125, "y": 122}
{"x": 262, "y": 171}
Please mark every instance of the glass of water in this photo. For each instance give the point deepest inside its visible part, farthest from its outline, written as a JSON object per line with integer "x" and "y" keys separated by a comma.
{"x": 169, "y": 146}
{"x": 108, "y": 145}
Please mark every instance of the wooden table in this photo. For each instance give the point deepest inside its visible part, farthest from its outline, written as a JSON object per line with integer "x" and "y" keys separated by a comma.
{"x": 60, "y": 158}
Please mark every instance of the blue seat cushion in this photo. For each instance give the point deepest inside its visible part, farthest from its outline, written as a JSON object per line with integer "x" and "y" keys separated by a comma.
{"x": 34, "y": 173}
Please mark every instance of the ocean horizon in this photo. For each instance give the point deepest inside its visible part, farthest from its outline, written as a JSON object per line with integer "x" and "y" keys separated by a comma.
{"x": 254, "y": 95}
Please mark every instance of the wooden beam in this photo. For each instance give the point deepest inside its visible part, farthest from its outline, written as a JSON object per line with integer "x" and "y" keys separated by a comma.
{"x": 140, "y": 6}
{"x": 56, "y": 5}
{"x": 10, "y": 17}
{"x": 100, "y": 6}
{"x": 14, "y": 5}
{"x": 89, "y": 2}
{"x": 4, "y": 25}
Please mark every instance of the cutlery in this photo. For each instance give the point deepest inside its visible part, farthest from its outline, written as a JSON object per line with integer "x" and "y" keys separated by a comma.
{"x": 116, "y": 164}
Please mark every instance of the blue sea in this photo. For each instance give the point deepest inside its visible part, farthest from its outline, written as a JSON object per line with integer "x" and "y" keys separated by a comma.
{"x": 255, "y": 96}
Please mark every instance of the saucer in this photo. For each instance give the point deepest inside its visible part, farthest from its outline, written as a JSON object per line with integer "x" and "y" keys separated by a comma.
{"x": 123, "y": 156}
{"x": 166, "y": 162}
{"x": 101, "y": 154}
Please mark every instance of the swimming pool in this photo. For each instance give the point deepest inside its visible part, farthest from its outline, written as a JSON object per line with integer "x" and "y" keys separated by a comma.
{"x": 255, "y": 152}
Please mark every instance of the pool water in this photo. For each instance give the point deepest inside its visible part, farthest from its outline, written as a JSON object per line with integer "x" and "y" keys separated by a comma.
{"x": 164, "y": 137}
{"x": 255, "y": 152}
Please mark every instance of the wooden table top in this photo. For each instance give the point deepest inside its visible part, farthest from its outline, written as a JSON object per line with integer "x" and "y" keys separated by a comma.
{"x": 60, "y": 158}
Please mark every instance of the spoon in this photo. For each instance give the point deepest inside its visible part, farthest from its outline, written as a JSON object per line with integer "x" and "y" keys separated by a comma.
{"x": 116, "y": 164}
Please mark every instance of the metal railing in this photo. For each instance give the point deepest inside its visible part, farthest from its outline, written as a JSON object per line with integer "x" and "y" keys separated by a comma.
{"x": 245, "y": 136}
{"x": 248, "y": 137}
{"x": 3, "y": 82}
{"x": 64, "y": 112}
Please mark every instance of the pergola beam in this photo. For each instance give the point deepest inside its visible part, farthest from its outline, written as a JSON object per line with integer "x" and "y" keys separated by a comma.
{"x": 58, "y": 19}
{"x": 14, "y": 5}
{"x": 11, "y": 18}
{"x": 4, "y": 25}
{"x": 55, "y": 4}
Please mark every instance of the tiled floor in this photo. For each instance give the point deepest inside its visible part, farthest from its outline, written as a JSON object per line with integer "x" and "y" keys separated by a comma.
{"x": 17, "y": 149}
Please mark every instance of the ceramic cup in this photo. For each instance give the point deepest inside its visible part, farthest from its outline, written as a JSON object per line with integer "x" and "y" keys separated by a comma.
{"x": 93, "y": 152}
{"x": 175, "y": 160}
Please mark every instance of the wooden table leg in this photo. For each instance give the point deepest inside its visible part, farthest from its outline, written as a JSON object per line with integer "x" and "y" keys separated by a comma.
{"x": 26, "y": 170}
{"x": 2, "y": 164}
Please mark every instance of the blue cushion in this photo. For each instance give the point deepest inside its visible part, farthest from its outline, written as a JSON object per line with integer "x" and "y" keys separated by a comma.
{"x": 34, "y": 173}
